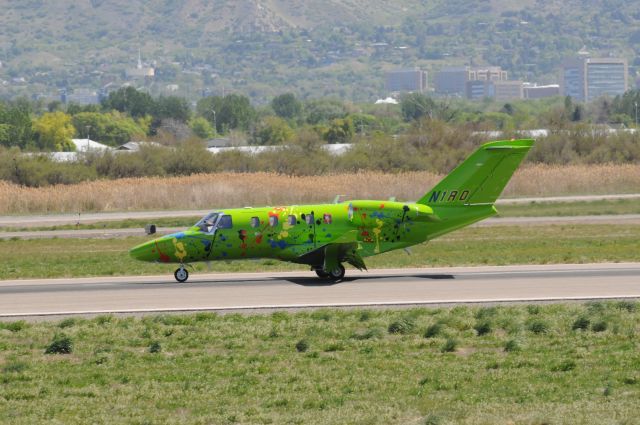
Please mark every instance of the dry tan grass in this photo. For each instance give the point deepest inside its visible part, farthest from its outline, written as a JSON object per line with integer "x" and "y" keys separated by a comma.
{"x": 228, "y": 189}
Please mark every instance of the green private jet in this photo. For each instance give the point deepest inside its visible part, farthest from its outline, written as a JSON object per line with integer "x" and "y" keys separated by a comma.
{"x": 325, "y": 236}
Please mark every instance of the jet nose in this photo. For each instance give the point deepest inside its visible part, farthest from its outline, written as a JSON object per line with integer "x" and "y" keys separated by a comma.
{"x": 144, "y": 252}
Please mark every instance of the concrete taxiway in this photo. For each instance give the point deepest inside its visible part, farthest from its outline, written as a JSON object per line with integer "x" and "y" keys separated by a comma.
{"x": 294, "y": 290}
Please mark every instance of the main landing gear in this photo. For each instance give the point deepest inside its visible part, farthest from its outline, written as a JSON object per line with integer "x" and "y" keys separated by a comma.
{"x": 335, "y": 275}
{"x": 181, "y": 274}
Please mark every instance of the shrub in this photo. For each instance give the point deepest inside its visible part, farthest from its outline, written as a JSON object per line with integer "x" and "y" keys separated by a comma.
{"x": 533, "y": 309}
{"x": 14, "y": 326}
{"x": 630, "y": 306}
{"x": 450, "y": 346}
{"x": 67, "y": 323}
{"x": 402, "y": 326}
{"x": 368, "y": 334}
{"x": 483, "y": 328}
{"x": 433, "y": 330}
{"x": 432, "y": 419}
{"x": 302, "y": 346}
{"x": 599, "y": 326}
{"x": 538, "y": 327}
{"x": 512, "y": 345}
{"x": 565, "y": 366}
{"x": 155, "y": 347}
{"x": 581, "y": 323}
{"x": 365, "y": 315}
{"x": 61, "y": 344}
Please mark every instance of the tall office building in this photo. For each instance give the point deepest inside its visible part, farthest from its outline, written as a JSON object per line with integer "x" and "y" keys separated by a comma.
{"x": 407, "y": 80}
{"x": 465, "y": 80}
{"x": 586, "y": 79}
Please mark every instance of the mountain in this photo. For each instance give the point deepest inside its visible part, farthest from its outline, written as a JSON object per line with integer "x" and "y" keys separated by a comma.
{"x": 314, "y": 47}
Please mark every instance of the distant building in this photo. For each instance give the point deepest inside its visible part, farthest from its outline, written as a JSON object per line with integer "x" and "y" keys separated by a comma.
{"x": 456, "y": 81}
{"x": 506, "y": 90}
{"x": 80, "y": 97}
{"x": 538, "y": 92}
{"x": 141, "y": 71}
{"x": 476, "y": 89}
{"x": 586, "y": 79}
{"x": 407, "y": 80}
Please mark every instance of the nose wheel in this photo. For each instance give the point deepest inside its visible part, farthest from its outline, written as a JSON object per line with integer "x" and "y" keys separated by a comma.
{"x": 181, "y": 274}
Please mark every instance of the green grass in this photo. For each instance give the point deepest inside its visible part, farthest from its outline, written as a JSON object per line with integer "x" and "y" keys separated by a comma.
{"x": 544, "y": 209}
{"x": 470, "y": 246}
{"x": 206, "y": 368}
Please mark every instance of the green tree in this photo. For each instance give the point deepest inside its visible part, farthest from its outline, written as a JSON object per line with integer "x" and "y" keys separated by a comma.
{"x": 227, "y": 113}
{"x": 273, "y": 131}
{"x": 54, "y": 132}
{"x": 131, "y": 101}
{"x": 16, "y": 124}
{"x": 287, "y": 106}
{"x": 416, "y": 105}
{"x": 112, "y": 128}
{"x": 340, "y": 131}
{"x": 323, "y": 110}
{"x": 202, "y": 128}
{"x": 173, "y": 107}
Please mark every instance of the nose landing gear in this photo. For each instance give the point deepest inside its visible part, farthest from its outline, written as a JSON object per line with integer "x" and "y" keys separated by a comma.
{"x": 181, "y": 274}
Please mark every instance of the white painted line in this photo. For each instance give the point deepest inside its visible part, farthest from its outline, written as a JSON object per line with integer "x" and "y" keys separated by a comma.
{"x": 323, "y": 305}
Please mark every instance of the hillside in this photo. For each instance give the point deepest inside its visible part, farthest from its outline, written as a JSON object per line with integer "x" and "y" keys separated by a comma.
{"x": 317, "y": 48}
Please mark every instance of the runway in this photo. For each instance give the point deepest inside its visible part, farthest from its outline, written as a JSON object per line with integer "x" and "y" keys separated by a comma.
{"x": 250, "y": 292}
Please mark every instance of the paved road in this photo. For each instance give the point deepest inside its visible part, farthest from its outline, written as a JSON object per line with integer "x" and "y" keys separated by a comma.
{"x": 259, "y": 291}
{"x": 61, "y": 219}
{"x": 499, "y": 221}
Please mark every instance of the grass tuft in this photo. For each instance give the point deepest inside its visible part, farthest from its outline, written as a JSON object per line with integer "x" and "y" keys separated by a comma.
{"x": 61, "y": 344}
{"x": 155, "y": 347}
{"x": 433, "y": 330}
{"x": 67, "y": 323}
{"x": 599, "y": 326}
{"x": 449, "y": 346}
{"x": 402, "y": 326}
{"x": 512, "y": 345}
{"x": 538, "y": 327}
{"x": 581, "y": 323}
{"x": 433, "y": 419}
{"x": 14, "y": 326}
{"x": 302, "y": 346}
{"x": 564, "y": 366}
{"x": 483, "y": 328}
{"x": 630, "y": 306}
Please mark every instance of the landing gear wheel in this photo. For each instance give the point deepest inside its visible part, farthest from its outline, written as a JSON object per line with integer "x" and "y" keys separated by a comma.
{"x": 337, "y": 274}
{"x": 181, "y": 274}
{"x": 322, "y": 274}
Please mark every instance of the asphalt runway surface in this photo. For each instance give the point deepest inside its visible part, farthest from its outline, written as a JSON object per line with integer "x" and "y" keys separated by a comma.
{"x": 251, "y": 292}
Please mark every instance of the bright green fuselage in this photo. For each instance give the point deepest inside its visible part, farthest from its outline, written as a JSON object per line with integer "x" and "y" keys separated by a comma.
{"x": 374, "y": 226}
{"x": 326, "y": 235}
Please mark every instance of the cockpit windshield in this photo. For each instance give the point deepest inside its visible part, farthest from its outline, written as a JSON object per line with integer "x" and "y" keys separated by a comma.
{"x": 207, "y": 223}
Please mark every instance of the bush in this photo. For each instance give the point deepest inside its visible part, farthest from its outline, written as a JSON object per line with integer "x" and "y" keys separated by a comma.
{"x": 61, "y": 344}
{"x": 403, "y": 326}
{"x": 483, "y": 328}
{"x": 433, "y": 330}
{"x": 368, "y": 334}
{"x": 67, "y": 323}
{"x": 14, "y": 326}
{"x": 538, "y": 327}
{"x": 599, "y": 326}
{"x": 511, "y": 346}
{"x": 450, "y": 346}
{"x": 630, "y": 306}
{"x": 302, "y": 346}
{"x": 432, "y": 419}
{"x": 581, "y": 323}
{"x": 155, "y": 347}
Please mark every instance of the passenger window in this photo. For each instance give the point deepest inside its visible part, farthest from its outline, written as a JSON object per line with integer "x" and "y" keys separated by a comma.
{"x": 309, "y": 219}
{"x": 255, "y": 222}
{"x": 327, "y": 219}
{"x": 292, "y": 220}
{"x": 225, "y": 222}
{"x": 273, "y": 220}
